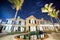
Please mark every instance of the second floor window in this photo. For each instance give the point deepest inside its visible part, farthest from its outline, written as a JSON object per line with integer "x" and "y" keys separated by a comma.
{"x": 32, "y": 21}
{"x": 29, "y": 21}
{"x": 20, "y": 22}
{"x": 7, "y": 21}
{"x": 35, "y": 21}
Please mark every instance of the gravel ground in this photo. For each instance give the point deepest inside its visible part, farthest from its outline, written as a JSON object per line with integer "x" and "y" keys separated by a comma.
{"x": 9, "y": 37}
{"x": 53, "y": 36}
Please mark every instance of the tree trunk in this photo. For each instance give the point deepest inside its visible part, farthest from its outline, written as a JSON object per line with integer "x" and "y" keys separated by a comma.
{"x": 52, "y": 22}
{"x": 16, "y": 14}
{"x": 14, "y": 20}
{"x": 57, "y": 21}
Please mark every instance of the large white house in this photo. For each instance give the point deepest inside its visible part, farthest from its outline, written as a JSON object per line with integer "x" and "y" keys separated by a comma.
{"x": 18, "y": 25}
{"x": 29, "y": 24}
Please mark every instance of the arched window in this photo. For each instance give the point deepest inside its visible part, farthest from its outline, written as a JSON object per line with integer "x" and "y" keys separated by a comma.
{"x": 32, "y": 21}
{"x": 20, "y": 22}
{"x": 6, "y": 21}
{"x": 35, "y": 21}
{"x": 29, "y": 21}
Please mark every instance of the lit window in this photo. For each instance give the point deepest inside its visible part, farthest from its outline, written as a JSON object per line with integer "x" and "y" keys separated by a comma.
{"x": 35, "y": 21}
{"x": 29, "y": 21}
{"x": 32, "y": 28}
{"x": 22, "y": 29}
{"x": 4, "y": 27}
{"x": 20, "y": 22}
{"x": 6, "y": 21}
{"x": 9, "y": 27}
{"x": 32, "y": 21}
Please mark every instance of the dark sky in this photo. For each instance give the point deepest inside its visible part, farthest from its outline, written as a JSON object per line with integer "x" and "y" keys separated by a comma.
{"x": 30, "y": 7}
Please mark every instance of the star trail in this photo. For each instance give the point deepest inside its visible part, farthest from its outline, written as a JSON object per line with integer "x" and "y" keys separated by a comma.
{"x": 30, "y": 7}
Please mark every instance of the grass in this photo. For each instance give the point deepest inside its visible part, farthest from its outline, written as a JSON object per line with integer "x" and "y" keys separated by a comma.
{"x": 2, "y": 35}
{"x": 12, "y": 33}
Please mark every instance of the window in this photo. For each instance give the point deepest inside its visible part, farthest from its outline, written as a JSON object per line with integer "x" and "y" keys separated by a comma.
{"x": 32, "y": 28}
{"x": 29, "y": 21}
{"x": 7, "y": 27}
{"x": 6, "y": 21}
{"x": 29, "y": 28}
{"x": 12, "y": 21}
{"x": 22, "y": 29}
{"x": 11, "y": 28}
{"x": 1, "y": 22}
{"x": 18, "y": 28}
{"x": 41, "y": 28}
{"x": 4, "y": 27}
{"x": 41, "y": 22}
{"x": 35, "y": 21}
{"x": 32, "y": 21}
{"x": 25, "y": 23}
{"x": 20, "y": 22}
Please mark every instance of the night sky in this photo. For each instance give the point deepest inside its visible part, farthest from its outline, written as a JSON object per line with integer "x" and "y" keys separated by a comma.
{"x": 30, "y": 7}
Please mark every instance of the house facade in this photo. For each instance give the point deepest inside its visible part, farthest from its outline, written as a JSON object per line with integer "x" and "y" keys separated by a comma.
{"x": 29, "y": 24}
{"x": 32, "y": 23}
{"x": 18, "y": 25}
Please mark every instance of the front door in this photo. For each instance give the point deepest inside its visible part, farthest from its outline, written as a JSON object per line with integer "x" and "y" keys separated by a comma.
{"x": 22, "y": 29}
{"x": 18, "y": 28}
{"x": 32, "y": 28}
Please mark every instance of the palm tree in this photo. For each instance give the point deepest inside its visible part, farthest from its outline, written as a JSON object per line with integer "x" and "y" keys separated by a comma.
{"x": 49, "y": 9}
{"x": 45, "y": 8}
{"x": 52, "y": 12}
{"x": 17, "y": 4}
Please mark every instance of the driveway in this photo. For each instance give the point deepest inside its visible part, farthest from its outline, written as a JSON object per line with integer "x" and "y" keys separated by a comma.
{"x": 53, "y": 36}
{"x": 9, "y": 37}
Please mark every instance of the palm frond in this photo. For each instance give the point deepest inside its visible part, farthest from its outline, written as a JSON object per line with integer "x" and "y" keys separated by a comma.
{"x": 44, "y": 10}
{"x": 50, "y": 4}
{"x": 21, "y": 1}
{"x": 11, "y": 1}
{"x": 16, "y": 3}
{"x": 54, "y": 13}
{"x": 46, "y": 5}
{"x": 57, "y": 11}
